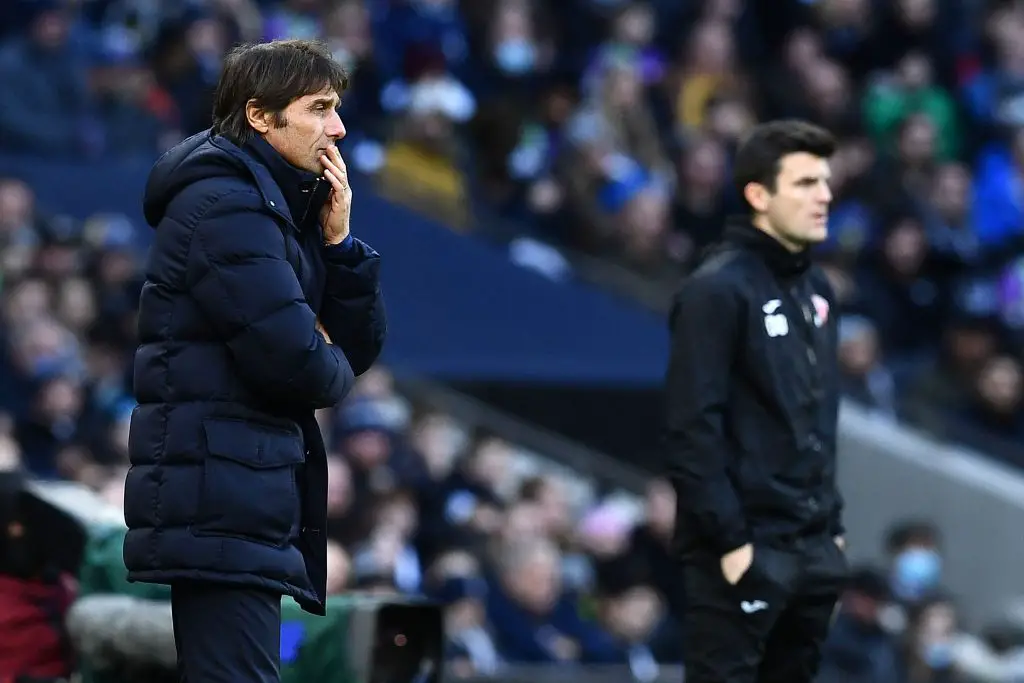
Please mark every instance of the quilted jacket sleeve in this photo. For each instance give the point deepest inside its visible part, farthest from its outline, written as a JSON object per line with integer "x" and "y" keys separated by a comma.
{"x": 240, "y": 277}
{"x": 353, "y": 308}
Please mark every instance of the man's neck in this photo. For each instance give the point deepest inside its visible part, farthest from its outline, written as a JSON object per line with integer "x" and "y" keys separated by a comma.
{"x": 762, "y": 223}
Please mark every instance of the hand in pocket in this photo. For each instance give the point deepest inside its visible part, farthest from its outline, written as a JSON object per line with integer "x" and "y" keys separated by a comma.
{"x": 736, "y": 563}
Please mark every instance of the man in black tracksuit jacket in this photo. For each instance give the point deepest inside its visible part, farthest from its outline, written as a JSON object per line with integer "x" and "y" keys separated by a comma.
{"x": 752, "y": 394}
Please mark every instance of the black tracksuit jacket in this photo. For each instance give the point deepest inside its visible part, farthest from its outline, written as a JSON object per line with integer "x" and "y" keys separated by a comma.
{"x": 753, "y": 397}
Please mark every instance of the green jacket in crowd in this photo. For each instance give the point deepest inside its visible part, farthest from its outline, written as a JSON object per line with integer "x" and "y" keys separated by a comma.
{"x": 312, "y": 647}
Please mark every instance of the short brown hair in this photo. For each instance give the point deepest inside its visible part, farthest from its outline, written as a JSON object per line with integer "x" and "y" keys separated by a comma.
{"x": 759, "y": 156}
{"x": 275, "y": 74}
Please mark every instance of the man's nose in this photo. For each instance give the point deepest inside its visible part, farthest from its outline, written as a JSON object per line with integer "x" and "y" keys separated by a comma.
{"x": 335, "y": 127}
{"x": 826, "y": 195}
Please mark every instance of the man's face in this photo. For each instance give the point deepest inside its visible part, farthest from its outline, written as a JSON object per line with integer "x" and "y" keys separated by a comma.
{"x": 634, "y": 614}
{"x": 15, "y": 205}
{"x": 798, "y": 209}
{"x": 305, "y": 129}
{"x": 537, "y": 584}
{"x": 339, "y": 486}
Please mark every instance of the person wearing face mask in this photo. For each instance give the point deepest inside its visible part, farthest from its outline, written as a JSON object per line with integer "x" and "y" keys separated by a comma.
{"x": 515, "y": 56}
{"x": 931, "y": 646}
{"x": 915, "y": 561}
{"x": 859, "y": 646}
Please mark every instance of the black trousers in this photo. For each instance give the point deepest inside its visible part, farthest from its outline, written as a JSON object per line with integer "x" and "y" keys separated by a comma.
{"x": 225, "y": 634}
{"x": 771, "y": 625}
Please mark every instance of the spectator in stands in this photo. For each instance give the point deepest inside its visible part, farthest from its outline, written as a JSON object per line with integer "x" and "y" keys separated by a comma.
{"x": 345, "y": 517}
{"x": 293, "y": 19}
{"x": 904, "y": 293}
{"x": 533, "y": 620}
{"x": 471, "y": 649}
{"x": 424, "y": 155}
{"x": 652, "y": 543}
{"x": 615, "y": 172}
{"x": 968, "y": 342}
{"x": 522, "y": 520}
{"x": 549, "y": 495}
{"x": 365, "y": 435}
{"x": 18, "y": 225}
{"x": 380, "y": 564}
{"x": 995, "y": 406}
{"x": 992, "y": 88}
{"x": 865, "y": 378}
{"x": 467, "y": 506}
{"x": 911, "y": 89}
{"x": 996, "y": 653}
{"x": 35, "y": 591}
{"x": 830, "y": 96}
{"x": 604, "y": 534}
{"x": 702, "y": 201}
{"x": 782, "y": 94}
{"x": 948, "y": 216}
{"x": 859, "y": 648}
{"x": 915, "y": 561}
{"x": 709, "y": 70}
{"x": 435, "y": 439}
{"x": 930, "y": 648}
{"x": 176, "y": 57}
{"x": 396, "y": 519}
{"x": 348, "y": 31}
{"x": 633, "y": 614}
{"x": 519, "y": 47}
{"x": 634, "y": 27}
{"x": 339, "y": 569}
{"x": 52, "y": 422}
{"x": 436, "y": 23}
{"x": 46, "y": 100}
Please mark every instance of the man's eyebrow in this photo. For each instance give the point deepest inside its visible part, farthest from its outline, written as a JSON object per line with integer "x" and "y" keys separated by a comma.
{"x": 813, "y": 178}
{"x": 332, "y": 102}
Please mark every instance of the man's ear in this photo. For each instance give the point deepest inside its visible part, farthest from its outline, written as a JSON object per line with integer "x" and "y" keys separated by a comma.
{"x": 257, "y": 117}
{"x": 757, "y": 195}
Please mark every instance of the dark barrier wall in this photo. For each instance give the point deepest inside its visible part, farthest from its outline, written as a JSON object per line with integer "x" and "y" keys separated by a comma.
{"x": 459, "y": 309}
{"x": 623, "y": 421}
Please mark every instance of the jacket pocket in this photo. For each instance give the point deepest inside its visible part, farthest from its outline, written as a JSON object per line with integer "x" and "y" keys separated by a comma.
{"x": 771, "y": 570}
{"x": 249, "y": 482}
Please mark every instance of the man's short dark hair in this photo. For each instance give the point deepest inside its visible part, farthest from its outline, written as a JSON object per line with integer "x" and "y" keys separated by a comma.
{"x": 275, "y": 74}
{"x": 909, "y": 533}
{"x": 760, "y": 154}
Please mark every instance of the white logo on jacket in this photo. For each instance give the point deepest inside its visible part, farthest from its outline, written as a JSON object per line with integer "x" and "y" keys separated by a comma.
{"x": 775, "y": 324}
{"x": 751, "y": 606}
{"x": 821, "y": 309}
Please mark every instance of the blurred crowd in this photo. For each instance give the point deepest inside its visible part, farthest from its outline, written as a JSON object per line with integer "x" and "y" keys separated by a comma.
{"x": 601, "y": 125}
{"x": 607, "y": 126}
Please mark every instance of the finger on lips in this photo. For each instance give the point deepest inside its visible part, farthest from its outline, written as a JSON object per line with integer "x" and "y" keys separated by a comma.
{"x": 335, "y": 156}
{"x": 337, "y": 182}
{"x": 340, "y": 172}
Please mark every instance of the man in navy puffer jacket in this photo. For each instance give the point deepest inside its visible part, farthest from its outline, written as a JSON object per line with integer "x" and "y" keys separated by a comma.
{"x": 259, "y": 308}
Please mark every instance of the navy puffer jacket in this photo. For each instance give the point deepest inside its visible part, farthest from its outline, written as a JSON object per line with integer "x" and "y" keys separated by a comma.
{"x": 228, "y": 481}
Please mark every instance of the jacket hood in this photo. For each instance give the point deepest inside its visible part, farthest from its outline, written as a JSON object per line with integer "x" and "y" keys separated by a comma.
{"x": 191, "y": 160}
{"x": 205, "y": 156}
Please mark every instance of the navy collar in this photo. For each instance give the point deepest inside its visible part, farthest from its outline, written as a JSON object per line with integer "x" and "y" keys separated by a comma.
{"x": 303, "y": 192}
{"x": 291, "y": 193}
